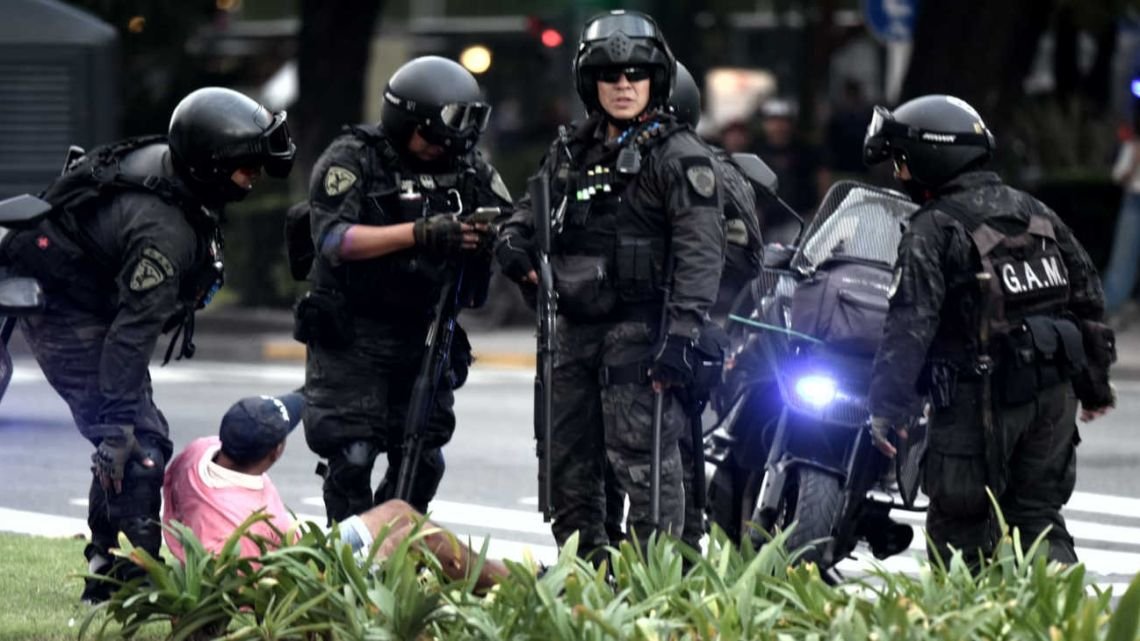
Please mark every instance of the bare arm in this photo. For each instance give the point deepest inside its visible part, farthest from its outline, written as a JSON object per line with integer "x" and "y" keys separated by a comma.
{"x": 370, "y": 241}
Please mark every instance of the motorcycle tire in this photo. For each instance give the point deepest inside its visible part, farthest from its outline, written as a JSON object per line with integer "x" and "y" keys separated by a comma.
{"x": 812, "y": 500}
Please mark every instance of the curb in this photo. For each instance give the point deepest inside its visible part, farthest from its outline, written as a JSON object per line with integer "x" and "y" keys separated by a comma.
{"x": 292, "y": 351}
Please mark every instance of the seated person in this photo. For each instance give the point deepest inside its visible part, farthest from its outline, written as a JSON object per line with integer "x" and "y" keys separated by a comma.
{"x": 217, "y": 482}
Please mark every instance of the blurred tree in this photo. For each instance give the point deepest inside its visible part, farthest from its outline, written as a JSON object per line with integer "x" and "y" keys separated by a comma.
{"x": 981, "y": 51}
{"x": 332, "y": 58}
{"x": 156, "y": 73}
{"x": 978, "y": 50}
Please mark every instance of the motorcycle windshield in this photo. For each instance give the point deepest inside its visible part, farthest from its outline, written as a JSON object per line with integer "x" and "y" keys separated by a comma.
{"x": 857, "y": 222}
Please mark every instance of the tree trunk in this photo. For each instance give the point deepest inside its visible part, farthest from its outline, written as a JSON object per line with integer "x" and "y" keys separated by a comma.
{"x": 332, "y": 58}
{"x": 978, "y": 50}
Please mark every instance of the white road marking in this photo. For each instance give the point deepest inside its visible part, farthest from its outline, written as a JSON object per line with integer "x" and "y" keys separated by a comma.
{"x": 27, "y": 371}
{"x": 476, "y": 516}
{"x": 1083, "y": 531}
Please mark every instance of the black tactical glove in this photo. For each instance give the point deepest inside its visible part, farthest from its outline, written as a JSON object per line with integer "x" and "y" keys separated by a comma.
{"x": 514, "y": 252}
{"x": 115, "y": 451}
{"x": 440, "y": 235}
{"x": 673, "y": 363}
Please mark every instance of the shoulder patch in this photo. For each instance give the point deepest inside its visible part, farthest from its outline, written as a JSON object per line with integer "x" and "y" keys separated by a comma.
{"x": 499, "y": 187}
{"x": 148, "y": 274}
{"x": 703, "y": 180}
{"x": 338, "y": 180}
{"x": 159, "y": 259}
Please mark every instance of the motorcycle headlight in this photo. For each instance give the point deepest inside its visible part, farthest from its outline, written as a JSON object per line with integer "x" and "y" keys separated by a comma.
{"x": 815, "y": 390}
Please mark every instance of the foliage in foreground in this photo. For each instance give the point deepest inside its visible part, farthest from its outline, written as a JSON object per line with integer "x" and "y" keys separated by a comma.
{"x": 317, "y": 589}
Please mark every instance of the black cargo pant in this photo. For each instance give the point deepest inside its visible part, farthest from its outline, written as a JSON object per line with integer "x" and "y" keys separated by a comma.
{"x": 595, "y": 424}
{"x": 67, "y": 342}
{"x": 357, "y": 401}
{"x": 1034, "y": 446}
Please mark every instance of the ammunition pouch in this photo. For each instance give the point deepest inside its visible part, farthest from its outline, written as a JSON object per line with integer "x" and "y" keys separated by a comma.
{"x": 1038, "y": 354}
{"x": 321, "y": 317}
{"x": 638, "y": 277}
{"x": 585, "y": 290}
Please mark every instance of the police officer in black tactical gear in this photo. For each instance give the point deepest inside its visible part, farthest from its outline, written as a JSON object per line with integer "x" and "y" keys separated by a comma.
{"x": 996, "y": 314}
{"x": 387, "y": 204}
{"x": 132, "y": 249}
{"x": 742, "y": 263}
{"x": 638, "y": 202}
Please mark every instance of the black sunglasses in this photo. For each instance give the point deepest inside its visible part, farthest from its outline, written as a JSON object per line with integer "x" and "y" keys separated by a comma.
{"x": 610, "y": 75}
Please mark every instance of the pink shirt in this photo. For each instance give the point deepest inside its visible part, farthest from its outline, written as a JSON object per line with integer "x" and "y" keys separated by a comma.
{"x": 212, "y": 501}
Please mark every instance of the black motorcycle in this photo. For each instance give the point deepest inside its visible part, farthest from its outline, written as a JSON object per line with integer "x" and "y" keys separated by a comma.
{"x": 792, "y": 442}
{"x": 18, "y": 295}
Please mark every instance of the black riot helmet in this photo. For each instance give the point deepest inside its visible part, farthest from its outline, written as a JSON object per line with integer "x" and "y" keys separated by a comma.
{"x": 938, "y": 137}
{"x": 623, "y": 39}
{"x": 214, "y": 131}
{"x": 441, "y": 99}
{"x": 686, "y": 100}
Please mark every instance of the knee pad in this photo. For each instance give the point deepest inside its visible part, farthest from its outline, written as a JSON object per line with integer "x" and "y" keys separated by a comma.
{"x": 348, "y": 481}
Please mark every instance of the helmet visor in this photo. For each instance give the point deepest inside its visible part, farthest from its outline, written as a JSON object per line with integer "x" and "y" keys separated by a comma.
{"x": 632, "y": 25}
{"x": 277, "y": 141}
{"x": 877, "y": 141}
{"x": 273, "y": 149}
{"x": 465, "y": 116}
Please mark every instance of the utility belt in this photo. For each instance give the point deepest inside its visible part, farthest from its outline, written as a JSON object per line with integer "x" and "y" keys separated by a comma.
{"x": 326, "y": 317}
{"x": 708, "y": 353}
{"x": 1038, "y": 354}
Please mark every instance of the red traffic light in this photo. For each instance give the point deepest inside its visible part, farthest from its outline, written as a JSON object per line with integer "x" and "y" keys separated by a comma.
{"x": 551, "y": 38}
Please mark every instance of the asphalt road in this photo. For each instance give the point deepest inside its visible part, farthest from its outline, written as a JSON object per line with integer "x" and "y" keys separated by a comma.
{"x": 490, "y": 487}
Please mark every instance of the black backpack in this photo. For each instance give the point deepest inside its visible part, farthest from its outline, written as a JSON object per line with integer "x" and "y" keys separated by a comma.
{"x": 90, "y": 179}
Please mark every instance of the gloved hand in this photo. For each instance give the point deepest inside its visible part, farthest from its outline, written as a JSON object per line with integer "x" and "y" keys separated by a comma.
{"x": 114, "y": 452}
{"x": 1096, "y": 394}
{"x": 881, "y": 429}
{"x": 673, "y": 363}
{"x": 513, "y": 251}
{"x": 443, "y": 235}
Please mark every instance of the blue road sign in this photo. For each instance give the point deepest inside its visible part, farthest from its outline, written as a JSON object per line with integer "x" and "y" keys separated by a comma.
{"x": 891, "y": 20}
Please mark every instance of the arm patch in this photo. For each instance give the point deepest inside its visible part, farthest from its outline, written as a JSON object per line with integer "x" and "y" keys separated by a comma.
{"x": 701, "y": 177}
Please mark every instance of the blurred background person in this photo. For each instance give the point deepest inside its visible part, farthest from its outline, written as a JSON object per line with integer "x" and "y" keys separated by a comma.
{"x": 1120, "y": 275}
{"x": 797, "y": 163}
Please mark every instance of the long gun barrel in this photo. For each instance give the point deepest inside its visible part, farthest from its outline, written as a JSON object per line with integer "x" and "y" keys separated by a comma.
{"x": 546, "y": 311}
{"x": 433, "y": 367}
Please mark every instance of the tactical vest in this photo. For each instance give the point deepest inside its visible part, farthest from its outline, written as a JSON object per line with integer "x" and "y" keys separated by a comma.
{"x": 609, "y": 255}
{"x": 88, "y": 183}
{"x": 405, "y": 284}
{"x": 1023, "y": 293}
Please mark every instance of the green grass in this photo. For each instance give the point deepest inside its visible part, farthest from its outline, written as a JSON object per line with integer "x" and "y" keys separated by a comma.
{"x": 39, "y": 588}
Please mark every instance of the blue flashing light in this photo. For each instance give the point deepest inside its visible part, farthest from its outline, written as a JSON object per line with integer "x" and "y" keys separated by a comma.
{"x": 1136, "y": 87}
